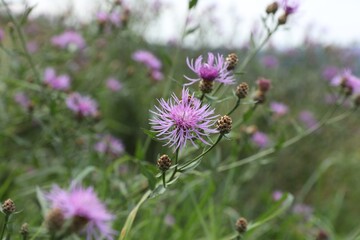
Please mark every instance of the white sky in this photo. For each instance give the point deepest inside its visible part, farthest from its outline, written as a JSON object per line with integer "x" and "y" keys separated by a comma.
{"x": 331, "y": 21}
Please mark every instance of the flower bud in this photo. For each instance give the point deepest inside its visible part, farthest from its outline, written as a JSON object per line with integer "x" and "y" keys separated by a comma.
{"x": 164, "y": 163}
{"x": 224, "y": 124}
{"x": 55, "y": 220}
{"x": 272, "y": 8}
{"x": 206, "y": 86}
{"x": 231, "y": 61}
{"x": 282, "y": 19}
{"x": 24, "y": 230}
{"x": 8, "y": 207}
{"x": 241, "y": 225}
{"x": 322, "y": 235}
{"x": 263, "y": 84}
{"x": 242, "y": 90}
{"x": 259, "y": 97}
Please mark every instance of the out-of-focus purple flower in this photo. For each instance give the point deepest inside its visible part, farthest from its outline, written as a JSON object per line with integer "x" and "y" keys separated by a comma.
{"x": 115, "y": 18}
{"x": 83, "y": 203}
{"x": 290, "y": 6}
{"x": 148, "y": 59}
{"x": 279, "y": 109}
{"x": 156, "y": 75}
{"x": 110, "y": 145}
{"x": 83, "y": 106}
{"x": 102, "y": 17}
{"x": 270, "y": 61}
{"x": 260, "y": 139}
{"x": 302, "y": 210}
{"x": 307, "y": 118}
{"x": 330, "y": 72}
{"x": 1, "y": 34}
{"x": 214, "y": 69}
{"x": 277, "y": 195}
{"x": 178, "y": 120}
{"x": 263, "y": 84}
{"x": 113, "y": 84}
{"x": 61, "y": 82}
{"x": 67, "y": 39}
{"x": 169, "y": 220}
{"x": 22, "y": 99}
{"x": 32, "y": 47}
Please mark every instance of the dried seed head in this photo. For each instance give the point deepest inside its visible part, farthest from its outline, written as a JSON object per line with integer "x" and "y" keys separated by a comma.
{"x": 282, "y": 19}
{"x": 24, "y": 230}
{"x": 241, "y": 225}
{"x": 232, "y": 61}
{"x": 259, "y": 97}
{"x": 272, "y": 8}
{"x": 242, "y": 90}
{"x": 206, "y": 86}
{"x": 164, "y": 163}
{"x": 8, "y": 207}
{"x": 55, "y": 220}
{"x": 224, "y": 124}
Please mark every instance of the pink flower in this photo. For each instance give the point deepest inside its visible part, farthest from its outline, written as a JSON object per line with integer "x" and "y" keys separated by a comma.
{"x": 61, "y": 82}
{"x": 113, "y": 85}
{"x": 277, "y": 195}
{"x": 307, "y": 118}
{"x": 330, "y": 72}
{"x": 270, "y": 61}
{"x": 279, "y": 109}
{"x": 22, "y": 99}
{"x": 156, "y": 75}
{"x": 110, "y": 145}
{"x": 260, "y": 139}
{"x": 79, "y": 202}
{"x": 115, "y": 19}
{"x": 32, "y": 47}
{"x": 263, "y": 84}
{"x": 83, "y": 106}
{"x": 290, "y": 6}
{"x": 148, "y": 59}
{"x": 102, "y": 17}
{"x": 68, "y": 38}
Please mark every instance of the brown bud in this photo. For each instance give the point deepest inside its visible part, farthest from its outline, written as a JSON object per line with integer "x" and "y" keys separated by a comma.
{"x": 24, "y": 230}
{"x": 164, "y": 163}
{"x": 241, "y": 225}
{"x": 224, "y": 124}
{"x": 259, "y": 97}
{"x": 242, "y": 90}
{"x": 272, "y": 8}
{"x": 206, "y": 86}
{"x": 55, "y": 220}
{"x": 322, "y": 235}
{"x": 8, "y": 207}
{"x": 232, "y": 61}
{"x": 282, "y": 19}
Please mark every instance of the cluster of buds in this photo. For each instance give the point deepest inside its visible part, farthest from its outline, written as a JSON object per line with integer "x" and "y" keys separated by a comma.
{"x": 241, "y": 225}
{"x": 263, "y": 87}
{"x": 8, "y": 207}
{"x": 286, "y": 6}
{"x": 164, "y": 163}
{"x": 224, "y": 124}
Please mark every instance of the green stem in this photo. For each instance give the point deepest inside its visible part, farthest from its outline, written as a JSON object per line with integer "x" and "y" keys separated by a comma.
{"x": 164, "y": 178}
{"x": 176, "y": 165}
{"x": 202, "y": 154}
{"x": 4, "y": 226}
{"x": 235, "y": 107}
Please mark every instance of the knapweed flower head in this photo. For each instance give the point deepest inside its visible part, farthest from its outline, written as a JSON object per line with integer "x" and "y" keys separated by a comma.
{"x": 148, "y": 59}
{"x": 290, "y": 6}
{"x": 83, "y": 106}
{"x": 110, "y": 145}
{"x": 348, "y": 81}
{"x": 177, "y": 121}
{"x": 307, "y": 118}
{"x": 278, "y": 108}
{"x": 61, "y": 82}
{"x": 23, "y": 100}
{"x": 113, "y": 84}
{"x": 81, "y": 203}
{"x": 263, "y": 84}
{"x": 277, "y": 195}
{"x": 330, "y": 72}
{"x": 213, "y": 69}
{"x": 260, "y": 139}
{"x": 67, "y": 39}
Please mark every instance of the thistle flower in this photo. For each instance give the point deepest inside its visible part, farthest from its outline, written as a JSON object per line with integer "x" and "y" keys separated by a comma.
{"x": 113, "y": 85}
{"x": 263, "y": 84}
{"x": 82, "y": 105}
{"x": 61, "y": 82}
{"x": 290, "y": 7}
{"x": 67, "y": 39}
{"x": 260, "y": 139}
{"x": 82, "y": 204}
{"x": 307, "y": 118}
{"x": 277, "y": 195}
{"x": 279, "y": 109}
{"x": 178, "y": 120}
{"x": 214, "y": 69}
{"x": 110, "y": 145}
{"x": 148, "y": 59}
{"x": 330, "y": 72}
{"x": 23, "y": 100}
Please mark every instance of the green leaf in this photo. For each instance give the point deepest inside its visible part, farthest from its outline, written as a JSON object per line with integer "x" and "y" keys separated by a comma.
{"x": 149, "y": 133}
{"x": 26, "y": 14}
{"x": 84, "y": 173}
{"x": 191, "y": 166}
{"x": 192, "y": 3}
{"x": 191, "y": 30}
{"x": 150, "y": 173}
{"x": 248, "y": 114}
{"x": 279, "y": 208}
{"x": 157, "y": 191}
{"x": 41, "y": 198}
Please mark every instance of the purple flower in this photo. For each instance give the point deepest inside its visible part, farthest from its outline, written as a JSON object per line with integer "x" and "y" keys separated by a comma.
{"x": 115, "y": 18}
{"x": 148, "y": 59}
{"x": 289, "y": 6}
{"x": 303, "y": 210}
{"x": 156, "y": 75}
{"x": 61, "y": 82}
{"x": 330, "y": 72}
{"x": 277, "y": 195}
{"x": 68, "y": 38}
{"x": 32, "y": 47}
{"x": 307, "y": 118}
{"x": 110, "y": 145}
{"x": 214, "y": 69}
{"x": 102, "y": 17}
{"x": 83, "y": 203}
{"x": 279, "y": 109}
{"x": 113, "y": 84}
{"x": 82, "y": 105}
{"x": 263, "y": 84}
{"x": 169, "y": 220}
{"x": 179, "y": 120}
{"x": 23, "y": 100}
{"x": 260, "y": 139}
{"x": 270, "y": 61}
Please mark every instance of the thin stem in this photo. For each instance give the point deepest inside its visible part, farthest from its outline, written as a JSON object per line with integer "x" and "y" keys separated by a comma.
{"x": 176, "y": 164}
{"x": 164, "y": 178}
{"x": 235, "y": 107}
{"x": 202, "y": 154}
{"x": 4, "y": 226}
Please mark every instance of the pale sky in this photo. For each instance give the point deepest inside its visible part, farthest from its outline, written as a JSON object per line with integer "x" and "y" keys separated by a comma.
{"x": 327, "y": 21}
